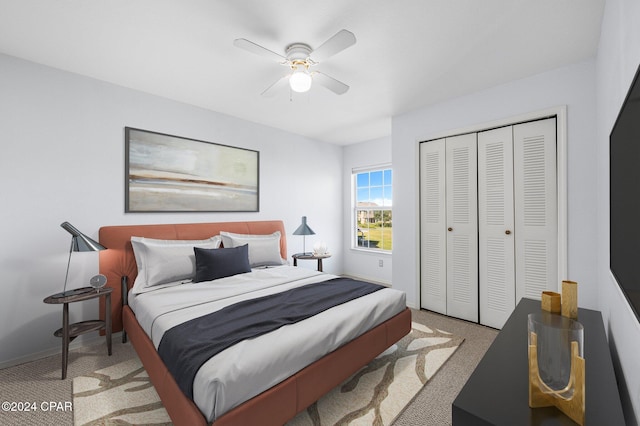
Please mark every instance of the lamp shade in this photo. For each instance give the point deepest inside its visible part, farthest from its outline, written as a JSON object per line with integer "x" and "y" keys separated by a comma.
{"x": 81, "y": 242}
{"x": 304, "y": 229}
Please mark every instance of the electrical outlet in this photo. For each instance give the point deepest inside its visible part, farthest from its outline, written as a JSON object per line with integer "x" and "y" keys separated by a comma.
{"x": 380, "y": 263}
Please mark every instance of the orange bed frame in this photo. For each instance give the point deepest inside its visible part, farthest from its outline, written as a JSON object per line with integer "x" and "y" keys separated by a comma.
{"x": 274, "y": 406}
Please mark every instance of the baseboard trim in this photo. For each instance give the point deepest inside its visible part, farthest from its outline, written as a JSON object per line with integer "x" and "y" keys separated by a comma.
{"x": 371, "y": 280}
{"x": 79, "y": 343}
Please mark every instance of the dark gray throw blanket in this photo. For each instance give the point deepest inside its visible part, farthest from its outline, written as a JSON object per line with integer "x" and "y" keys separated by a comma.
{"x": 187, "y": 346}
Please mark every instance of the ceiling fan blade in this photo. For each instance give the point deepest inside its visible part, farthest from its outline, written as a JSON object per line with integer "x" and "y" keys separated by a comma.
{"x": 330, "y": 83}
{"x": 281, "y": 83}
{"x": 340, "y": 41}
{"x": 250, "y": 46}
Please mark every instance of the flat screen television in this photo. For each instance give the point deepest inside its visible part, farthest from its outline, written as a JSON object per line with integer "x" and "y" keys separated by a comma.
{"x": 624, "y": 181}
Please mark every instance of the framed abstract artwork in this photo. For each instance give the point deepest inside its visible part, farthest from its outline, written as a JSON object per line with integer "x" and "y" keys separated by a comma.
{"x": 165, "y": 173}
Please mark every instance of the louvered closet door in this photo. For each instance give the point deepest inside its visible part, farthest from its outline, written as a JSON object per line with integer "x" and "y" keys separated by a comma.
{"x": 433, "y": 246}
{"x": 496, "y": 226}
{"x": 462, "y": 227}
{"x": 536, "y": 211}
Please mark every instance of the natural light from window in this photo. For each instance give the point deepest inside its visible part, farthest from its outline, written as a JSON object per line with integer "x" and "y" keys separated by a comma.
{"x": 373, "y": 202}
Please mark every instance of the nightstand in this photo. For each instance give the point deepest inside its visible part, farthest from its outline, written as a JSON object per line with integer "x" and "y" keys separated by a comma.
{"x": 310, "y": 256}
{"x": 68, "y": 332}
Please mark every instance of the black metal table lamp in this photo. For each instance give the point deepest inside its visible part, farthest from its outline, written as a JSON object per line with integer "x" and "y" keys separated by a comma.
{"x": 79, "y": 242}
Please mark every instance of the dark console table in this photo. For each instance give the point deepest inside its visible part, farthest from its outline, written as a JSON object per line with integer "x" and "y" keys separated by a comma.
{"x": 497, "y": 393}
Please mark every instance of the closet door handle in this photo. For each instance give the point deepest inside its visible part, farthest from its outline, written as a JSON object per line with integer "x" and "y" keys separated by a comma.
{"x": 507, "y": 232}
{"x": 449, "y": 229}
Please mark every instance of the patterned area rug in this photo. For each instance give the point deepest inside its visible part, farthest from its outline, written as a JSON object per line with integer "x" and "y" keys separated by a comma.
{"x": 376, "y": 395}
{"x": 118, "y": 395}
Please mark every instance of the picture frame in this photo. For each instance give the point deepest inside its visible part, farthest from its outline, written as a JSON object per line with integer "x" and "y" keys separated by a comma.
{"x": 167, "y": 173}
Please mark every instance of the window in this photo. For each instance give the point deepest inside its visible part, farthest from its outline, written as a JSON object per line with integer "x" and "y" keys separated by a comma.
{"x": 373, "y": 195}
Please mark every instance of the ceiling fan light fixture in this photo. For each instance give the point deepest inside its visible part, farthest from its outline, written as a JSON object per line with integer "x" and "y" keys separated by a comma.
{"x": 300, "y": 81}
{"x": 299, "y": 57}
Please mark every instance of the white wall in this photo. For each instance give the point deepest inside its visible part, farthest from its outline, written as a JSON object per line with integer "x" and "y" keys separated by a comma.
{"x": 357, "y": 262}
{"x": 617, "y": 61}
{"x": 62, "y": 158}
{"x": 573, "y": 86}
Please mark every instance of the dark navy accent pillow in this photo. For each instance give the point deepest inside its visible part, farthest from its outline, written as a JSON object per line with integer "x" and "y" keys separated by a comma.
{"x": 212, "y": 264}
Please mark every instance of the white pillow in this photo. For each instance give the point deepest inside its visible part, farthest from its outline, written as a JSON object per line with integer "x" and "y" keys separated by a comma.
{"x": 165, "y": 261}
{"x": 264, "y": 250}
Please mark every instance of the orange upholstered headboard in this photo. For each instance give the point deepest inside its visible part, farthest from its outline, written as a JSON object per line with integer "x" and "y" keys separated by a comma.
{"x": 118, "y": 260}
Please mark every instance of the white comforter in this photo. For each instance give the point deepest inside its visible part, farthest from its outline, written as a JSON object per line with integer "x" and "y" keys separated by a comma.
{"x": 254, "y": 365}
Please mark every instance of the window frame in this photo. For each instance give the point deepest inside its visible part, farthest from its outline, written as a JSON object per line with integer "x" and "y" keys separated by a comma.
{"x": 355, "y": 209}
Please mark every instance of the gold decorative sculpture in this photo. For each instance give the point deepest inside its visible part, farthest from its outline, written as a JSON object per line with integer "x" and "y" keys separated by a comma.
{"x": 551, "y": 302}
{"x": 570, "y": 299}
{"x": 556, "y": 362}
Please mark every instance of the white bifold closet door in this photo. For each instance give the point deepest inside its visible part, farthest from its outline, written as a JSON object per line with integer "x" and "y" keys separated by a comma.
{"x": 536, "y": 208}
{"x": 488, "y": 212}
{"x": 517, "y": 216}
{"x": 496, "y": 226}
{"x": 462, "y": 226}
{"x": 449, "y": 228}
{"x": 433, "y": 228}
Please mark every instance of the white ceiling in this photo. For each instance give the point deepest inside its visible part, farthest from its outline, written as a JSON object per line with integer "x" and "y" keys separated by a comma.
{"x": 409, "y": 53}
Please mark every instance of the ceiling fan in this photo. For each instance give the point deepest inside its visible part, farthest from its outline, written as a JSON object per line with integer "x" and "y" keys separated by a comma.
{"x": 300, "y": 58}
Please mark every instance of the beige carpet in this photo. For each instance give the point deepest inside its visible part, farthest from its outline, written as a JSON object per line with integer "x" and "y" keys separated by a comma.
{"x": 122, "y": 394}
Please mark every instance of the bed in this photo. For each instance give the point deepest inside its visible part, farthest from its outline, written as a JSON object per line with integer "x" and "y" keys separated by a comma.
{"x": 286, "y": 396}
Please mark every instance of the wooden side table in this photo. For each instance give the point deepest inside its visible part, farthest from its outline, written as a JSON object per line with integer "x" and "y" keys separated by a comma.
{"x": 310, "y": 256}
{"x": 68, "y": 332}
